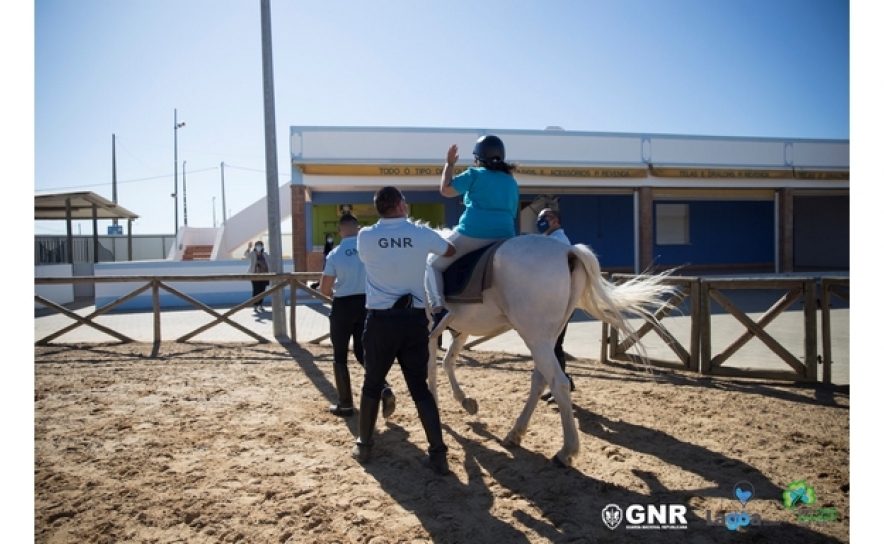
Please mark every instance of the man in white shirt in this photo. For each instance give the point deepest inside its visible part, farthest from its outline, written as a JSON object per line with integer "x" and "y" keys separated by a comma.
{"x": 394, "y": 252}
{"x": 549, "y": 223}
{"x": 343, "y": 279}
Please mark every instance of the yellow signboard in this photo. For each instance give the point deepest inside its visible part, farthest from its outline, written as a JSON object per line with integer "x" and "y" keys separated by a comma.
{"x": 374, "y": 170}
{"x": 604, "y": 172}
{"x": 424, "y": 170}
{"x": 819, "y": 174}
{"x": 705, "y": 173}
{"x": 590, "y": 172}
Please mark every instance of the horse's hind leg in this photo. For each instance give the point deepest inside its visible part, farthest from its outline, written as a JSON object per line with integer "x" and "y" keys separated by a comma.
{"x": 514, "y": 437}
{"x": 571, "y": 446}
{"x": 458, "y": 340}
{"x": 547, "y": 370}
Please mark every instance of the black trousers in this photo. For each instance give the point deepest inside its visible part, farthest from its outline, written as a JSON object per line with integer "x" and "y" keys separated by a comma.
{"x": 559, "y": 349}
{"x": 259, "y": 287}
{"x": 400, "y": 335}
{"x": 347, "y": 320}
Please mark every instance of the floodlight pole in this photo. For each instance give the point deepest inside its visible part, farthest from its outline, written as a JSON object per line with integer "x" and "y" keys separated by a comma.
{"x": 114, "y": 170}
{"x": 273, "y": 215}
{"x": 184, "y": 188}
{"x": 223, "y": 198}
{"x": 175, "y": 194}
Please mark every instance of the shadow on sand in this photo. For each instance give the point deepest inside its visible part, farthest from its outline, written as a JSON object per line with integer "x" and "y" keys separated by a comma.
{"x": 560, "y": 505}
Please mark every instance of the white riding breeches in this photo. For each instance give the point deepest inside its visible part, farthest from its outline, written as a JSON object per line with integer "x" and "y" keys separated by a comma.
{"x": 436, "y": 264}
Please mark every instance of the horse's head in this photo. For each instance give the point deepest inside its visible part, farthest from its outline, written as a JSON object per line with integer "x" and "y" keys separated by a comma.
{"x": 541, "y": 202}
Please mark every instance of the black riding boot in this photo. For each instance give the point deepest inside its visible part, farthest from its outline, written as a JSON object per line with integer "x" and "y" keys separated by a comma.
{"x": 344, "y": 407}
{"x": 368, "y": 417}
{"x": 429, "y": 415}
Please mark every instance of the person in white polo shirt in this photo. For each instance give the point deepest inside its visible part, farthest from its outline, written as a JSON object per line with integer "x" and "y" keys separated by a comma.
{"x": 394, "y": 252}
{"x": 549, "y": 223}
{"x": 343, "y": 279}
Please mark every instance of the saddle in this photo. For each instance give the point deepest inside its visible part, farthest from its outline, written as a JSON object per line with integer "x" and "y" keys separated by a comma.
{"x": 466, "y": 278}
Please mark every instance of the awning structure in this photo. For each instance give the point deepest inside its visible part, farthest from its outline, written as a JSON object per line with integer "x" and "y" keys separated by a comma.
{"x": 71, "y": 206}
{"x": 83, "y": 205}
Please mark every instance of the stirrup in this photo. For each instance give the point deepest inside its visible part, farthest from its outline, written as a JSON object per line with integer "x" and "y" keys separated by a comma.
{"x": 440, "y": 322}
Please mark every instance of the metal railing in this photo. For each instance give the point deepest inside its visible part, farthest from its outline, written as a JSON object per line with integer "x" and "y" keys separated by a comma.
{"x": 55, "y": 250}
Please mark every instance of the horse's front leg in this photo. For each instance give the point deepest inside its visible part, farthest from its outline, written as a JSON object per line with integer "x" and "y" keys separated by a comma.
{"x": 458, "y": 339}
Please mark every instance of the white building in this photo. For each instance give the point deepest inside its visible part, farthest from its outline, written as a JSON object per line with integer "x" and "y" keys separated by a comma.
{"x": 760, "y": 204}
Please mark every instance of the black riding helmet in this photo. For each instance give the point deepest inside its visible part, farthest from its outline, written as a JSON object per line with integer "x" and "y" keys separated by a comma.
{"x": 489, "y": 150}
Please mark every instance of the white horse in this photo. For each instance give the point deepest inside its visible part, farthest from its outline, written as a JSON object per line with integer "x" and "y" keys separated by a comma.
{"x": 537, "y": 284}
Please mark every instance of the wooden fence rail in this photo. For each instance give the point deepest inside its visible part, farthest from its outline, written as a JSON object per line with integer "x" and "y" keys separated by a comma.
{"x": 689, "y": 287}
{"x": 696, "y": 357}
{"x": 798, "y": 287}
{"x": 704, "y": 291}
{"x": 278, "y": 282}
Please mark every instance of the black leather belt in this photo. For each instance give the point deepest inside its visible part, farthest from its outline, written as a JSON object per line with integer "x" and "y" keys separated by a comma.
{"x": 398, "y": 311}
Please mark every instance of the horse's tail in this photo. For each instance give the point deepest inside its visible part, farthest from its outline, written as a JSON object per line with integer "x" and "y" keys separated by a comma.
{"x": 641, "y": 296}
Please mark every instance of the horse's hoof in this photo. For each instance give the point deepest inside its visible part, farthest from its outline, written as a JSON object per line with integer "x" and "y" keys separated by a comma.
{"x": 558, "y": 463}
{"x": 470, "y": 405}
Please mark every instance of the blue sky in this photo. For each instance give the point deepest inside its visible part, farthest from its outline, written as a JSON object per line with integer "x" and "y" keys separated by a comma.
{"x": 708, "y": 67}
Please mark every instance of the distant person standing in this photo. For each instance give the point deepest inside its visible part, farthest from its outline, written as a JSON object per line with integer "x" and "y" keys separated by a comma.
{"x": 343, "y": 279}
{"x": 394, "y": 251}
{"x": 258, "y": 265}
{"x": 329, "y": 244}
{"x": 549, "y": 223}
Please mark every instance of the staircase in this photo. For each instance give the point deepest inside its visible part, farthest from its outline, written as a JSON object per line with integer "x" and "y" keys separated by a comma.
{"x": 197, "y": 253}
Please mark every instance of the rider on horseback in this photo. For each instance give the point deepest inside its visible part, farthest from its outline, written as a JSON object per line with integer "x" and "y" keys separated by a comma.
{"x": 491, "y": 197}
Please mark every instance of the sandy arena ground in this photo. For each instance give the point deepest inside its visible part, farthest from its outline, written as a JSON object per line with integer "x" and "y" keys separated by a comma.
{"x": 234, "y": 443}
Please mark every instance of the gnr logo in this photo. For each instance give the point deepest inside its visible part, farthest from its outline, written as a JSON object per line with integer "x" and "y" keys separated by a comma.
{"x": 612, "y": 515}
{"x": 648, "y": 516}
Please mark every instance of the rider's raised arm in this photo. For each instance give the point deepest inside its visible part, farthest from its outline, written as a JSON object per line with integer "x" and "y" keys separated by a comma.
{"x": 445, "y": 187}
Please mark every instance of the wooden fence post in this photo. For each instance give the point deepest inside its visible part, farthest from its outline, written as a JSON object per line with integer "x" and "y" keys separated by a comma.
{"x": 696, "y": 326}
{"x": 810, "y": 348}
{"x": 706, "y": 328}
{"x": 155, "y": 295}
{"x": 293, "y": 293}
{"x": 603, "y": 356}
{"x": 826, "y": 298}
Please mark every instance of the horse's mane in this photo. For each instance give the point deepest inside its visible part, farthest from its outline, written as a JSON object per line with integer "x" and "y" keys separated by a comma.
{"x": 444, "y": 231}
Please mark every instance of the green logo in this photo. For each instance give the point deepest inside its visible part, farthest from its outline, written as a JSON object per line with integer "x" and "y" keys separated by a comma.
{"x": 798, "y": 493}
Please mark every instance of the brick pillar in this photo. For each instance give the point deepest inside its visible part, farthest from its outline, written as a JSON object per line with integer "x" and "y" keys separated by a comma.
{"x": 786, "y": 229}
{"x": 645, "y": 227}
{"x": 299, "y": 227}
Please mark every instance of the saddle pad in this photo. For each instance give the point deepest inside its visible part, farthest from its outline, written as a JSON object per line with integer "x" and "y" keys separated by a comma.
{"x": 468, "y": 276}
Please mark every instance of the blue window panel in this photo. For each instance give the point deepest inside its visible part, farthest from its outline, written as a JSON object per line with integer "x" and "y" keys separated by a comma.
{"x": 723, "y": 232}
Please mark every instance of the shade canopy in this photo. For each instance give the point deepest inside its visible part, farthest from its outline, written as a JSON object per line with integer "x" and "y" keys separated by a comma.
{"x": 83, "y": 205}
